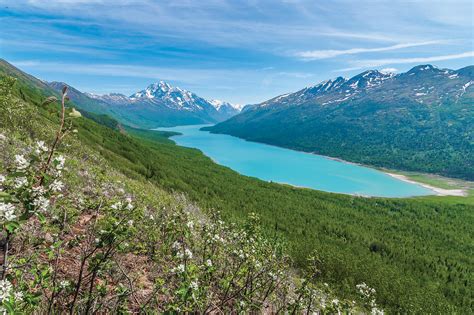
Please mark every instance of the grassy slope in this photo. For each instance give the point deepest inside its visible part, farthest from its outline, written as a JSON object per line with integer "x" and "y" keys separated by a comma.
{"x": 415, "y": 252}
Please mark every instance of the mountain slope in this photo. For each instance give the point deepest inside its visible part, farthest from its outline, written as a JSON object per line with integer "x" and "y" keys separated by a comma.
{"x": 421, "y": 120}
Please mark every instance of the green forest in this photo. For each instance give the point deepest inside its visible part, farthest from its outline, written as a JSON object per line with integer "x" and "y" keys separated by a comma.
{"x": 412, "y": 251}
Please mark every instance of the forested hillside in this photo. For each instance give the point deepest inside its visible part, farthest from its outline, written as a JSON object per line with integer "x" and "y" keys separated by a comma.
{"x": 421, "y": 120}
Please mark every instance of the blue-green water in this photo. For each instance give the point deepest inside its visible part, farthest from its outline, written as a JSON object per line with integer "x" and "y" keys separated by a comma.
{"x": 296, "y": 168}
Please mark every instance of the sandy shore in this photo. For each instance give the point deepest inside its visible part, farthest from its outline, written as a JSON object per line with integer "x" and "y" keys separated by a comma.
{"x": 436, "y": 190}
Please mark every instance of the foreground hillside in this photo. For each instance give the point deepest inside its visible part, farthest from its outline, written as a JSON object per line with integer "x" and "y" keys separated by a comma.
{"x": 414, "y": 252}
{"x": 421, "y": 120}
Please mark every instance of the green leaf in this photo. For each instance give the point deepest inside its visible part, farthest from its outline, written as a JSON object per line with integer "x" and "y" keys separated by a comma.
{"x": 9, "y": 306}
{"x": 12, "y": 226}
{"x": 41, "y": 217}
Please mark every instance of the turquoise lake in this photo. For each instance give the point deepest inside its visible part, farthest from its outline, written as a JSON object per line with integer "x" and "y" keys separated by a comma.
{"x": 296, "y": 168}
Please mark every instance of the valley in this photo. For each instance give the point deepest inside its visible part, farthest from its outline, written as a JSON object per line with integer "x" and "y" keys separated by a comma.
{"x": 412, "y": 250}
{"x": 237, "y": 157}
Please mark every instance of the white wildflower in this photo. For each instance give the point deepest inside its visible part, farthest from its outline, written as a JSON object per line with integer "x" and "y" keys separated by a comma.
{"x": 5, "y": 289}
{"x": 116, "y": 205}
{"x": 376, "y": 311}
{"x": 190, "y": 224}
{"x": 209, "y": 263}
{"x": 2, "y": 178}
{"x": 74, "y": 113}
{"x": 273, "y": 276}
{"x": 64, "y": 284}
{"x": 40, "y": 147}
{"x": 21, "y": 162}
{"x": 41, "y": 203}
{"x": 59, "y": 162}
{"x": 176, "y": 245}
{"x": 7, "y": 211}
{"x": 188, "y": 253}
{"x": 130, "y": 222}
{"x": 194, "y": 285}
{"x": 56, "y": 185}
{"x": 38, "y": 191}
{"x": 18, "y": 296}
{"x": 178, "y": 269}
{"x": 20, "y": 182}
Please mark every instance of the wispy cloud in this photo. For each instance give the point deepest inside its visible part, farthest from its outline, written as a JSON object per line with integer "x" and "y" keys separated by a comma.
{"x": 373, "y": 63}
{"x": 121, "y": 70}
{"x": 330, "y": 53}
{"x": 389, "y": 70}
{"x": 221, "y": 46}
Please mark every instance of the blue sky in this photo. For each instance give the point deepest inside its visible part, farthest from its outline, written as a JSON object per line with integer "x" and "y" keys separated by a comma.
{"x": 239, "y": 51}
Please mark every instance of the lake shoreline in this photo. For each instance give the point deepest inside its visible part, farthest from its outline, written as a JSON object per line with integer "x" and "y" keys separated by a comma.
{"x": 438, "y": 191}
{"x": 431, "y": 190}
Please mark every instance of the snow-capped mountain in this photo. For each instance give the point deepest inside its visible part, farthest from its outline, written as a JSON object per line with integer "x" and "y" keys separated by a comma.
{"x": 424, "y": 84}
{"x": 172, "y": 97}
{"x": 160, "y": 104}
{"x": 226, "y": 107}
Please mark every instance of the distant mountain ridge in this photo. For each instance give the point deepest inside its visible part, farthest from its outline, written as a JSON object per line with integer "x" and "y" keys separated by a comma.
{"x": 420, "y": 120}
{"x": 373, "y": 82}
{"x": 160, "y": 104}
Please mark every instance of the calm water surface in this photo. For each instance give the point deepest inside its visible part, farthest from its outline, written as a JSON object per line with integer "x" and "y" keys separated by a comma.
{"x": 296, "y": 168}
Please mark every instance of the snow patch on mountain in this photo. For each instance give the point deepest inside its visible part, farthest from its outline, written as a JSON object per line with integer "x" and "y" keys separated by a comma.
{"x": 218, "y": 104}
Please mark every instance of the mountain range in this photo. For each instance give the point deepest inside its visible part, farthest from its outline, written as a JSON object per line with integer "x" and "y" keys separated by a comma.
{"x": 421, "y": 120}
{"x": 160, "y": 104}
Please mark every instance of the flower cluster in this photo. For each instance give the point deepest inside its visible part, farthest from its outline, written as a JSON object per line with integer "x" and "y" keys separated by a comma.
{"x": 7, "y": 212}
{"x": 5, "y": 289}
{"x": 367, "y": 293}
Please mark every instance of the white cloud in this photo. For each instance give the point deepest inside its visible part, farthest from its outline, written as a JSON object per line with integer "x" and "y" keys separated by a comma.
{"x": 373, "y": 63}
{"x": 323, "y": 54}
{"x": 389, "y": 70}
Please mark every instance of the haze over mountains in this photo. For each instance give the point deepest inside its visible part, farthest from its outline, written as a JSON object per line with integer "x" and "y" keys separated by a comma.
{"x": 419, "y": 120}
